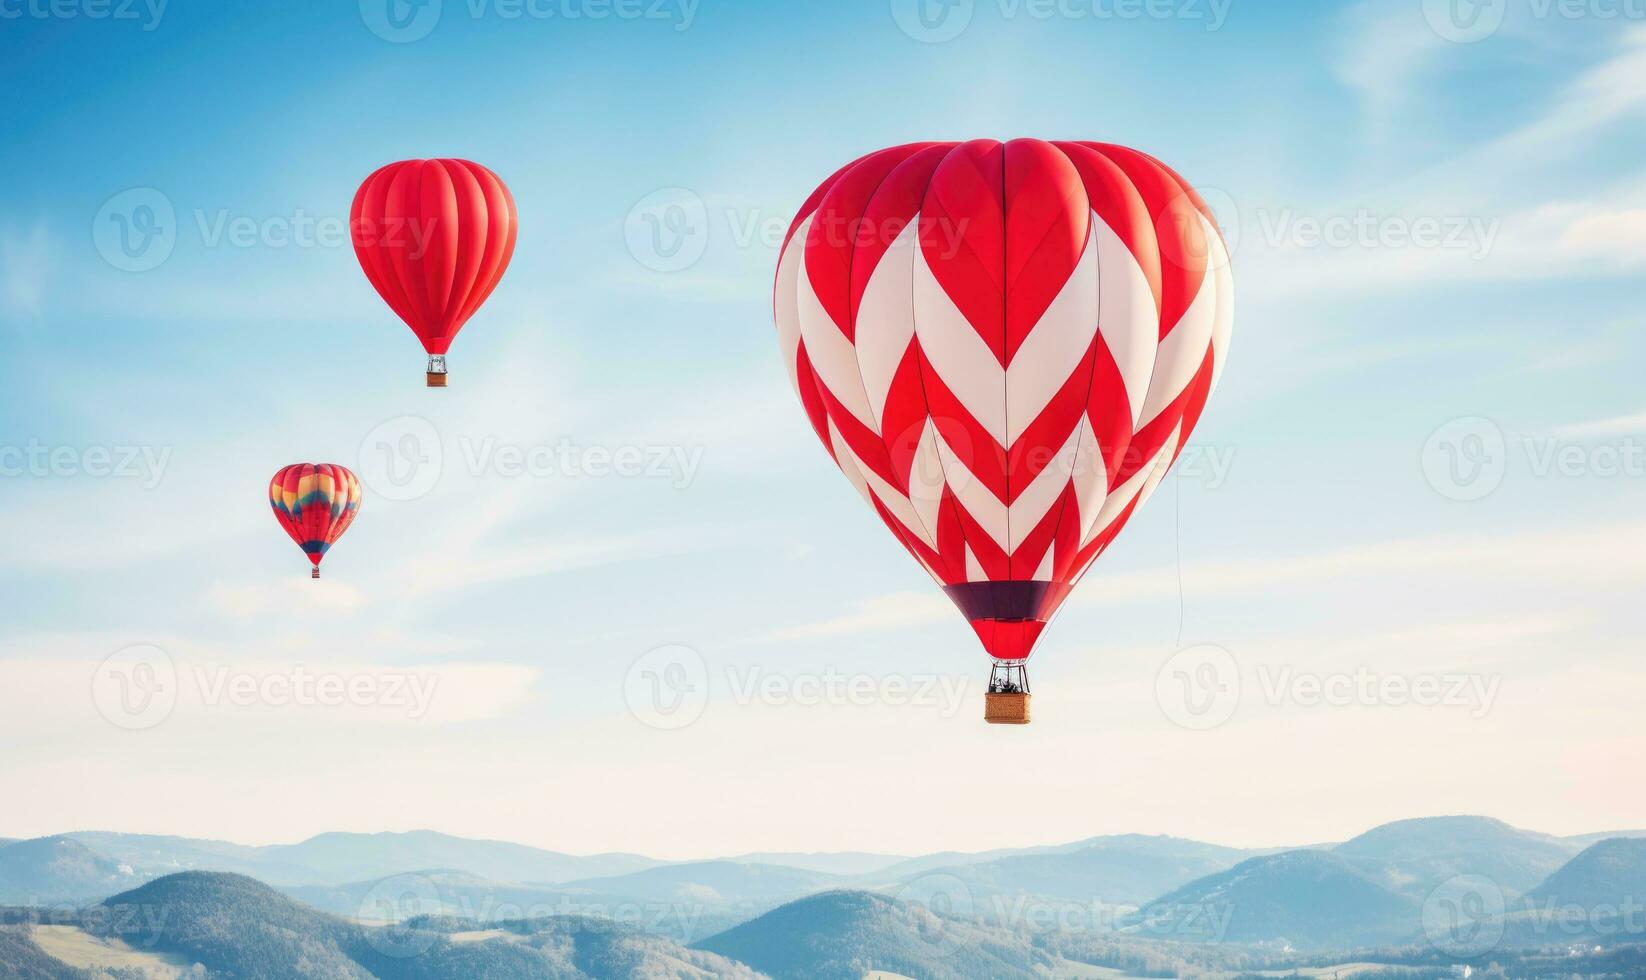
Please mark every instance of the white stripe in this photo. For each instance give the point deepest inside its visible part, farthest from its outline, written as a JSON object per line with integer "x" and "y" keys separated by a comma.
{"x": 1091, "y": 477}
{"x": 1223, "y": 327}
{"x": 974, "y": 568}
{"x": 1182, "y": 351}
{"x": 885, "y": 321}
{"x": 1044, "y": 572}
{"x": 978, "y": 500}
{"x": 1038, "y": 498}
{"x": 1094, "y": 521}
{"x": 848, "y": 462}
{"x": 832, "y": 355}
{"x": 1127, "y": 315}
{"x": 956, "y": 352}
{"x": 1055, "y": 347}
{"x": 785, "y": 307}
{"x": 899, "y": 506}
{"x": 1161, "y": 465}
{"x": 927, "y": 479}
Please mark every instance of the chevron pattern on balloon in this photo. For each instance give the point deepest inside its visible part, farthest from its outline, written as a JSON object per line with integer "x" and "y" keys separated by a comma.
{"x": 1004, "y": 346}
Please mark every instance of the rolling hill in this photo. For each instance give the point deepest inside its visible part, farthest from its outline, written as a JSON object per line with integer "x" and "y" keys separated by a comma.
{"x": 1122, "y": 870}
{"x": 1415, "y": 856}
{"x": 52, "y": 870}
{"x": 1606, "y": 875}
{"x": 236, "y": 927}
{"x": 22, "y": 959}
{"x": 340, "y": 858}
{"x": 844, "y": 935}
{"x": 1162, "y": 845}
{"x": 1584, "y": 840}
{"x": 1308, "y": 899}
{"x": 826, "y": 862}
{"x": 708, "y": 883}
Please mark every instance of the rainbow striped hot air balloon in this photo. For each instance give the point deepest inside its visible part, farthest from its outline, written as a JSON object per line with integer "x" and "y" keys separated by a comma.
{"x": 315, "y": 503}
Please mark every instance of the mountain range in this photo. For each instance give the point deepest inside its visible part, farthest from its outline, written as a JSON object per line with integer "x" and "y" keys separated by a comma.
{"x": 1126, "y": 900}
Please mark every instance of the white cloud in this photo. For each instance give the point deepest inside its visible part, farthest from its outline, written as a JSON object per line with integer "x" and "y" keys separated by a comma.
{"x": 1613, "y": 555}
{"x": 1614, "y": 426}
{"x": 1485, "y": 201}
{"x": 1609, "y": 234}
{"x": 1387, "y": 48}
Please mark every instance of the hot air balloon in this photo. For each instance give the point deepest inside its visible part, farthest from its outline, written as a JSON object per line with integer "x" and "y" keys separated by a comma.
{"x": 1004, "y": 346}
{"x": 434, "y": 237}
{"x": 315, "y": 503}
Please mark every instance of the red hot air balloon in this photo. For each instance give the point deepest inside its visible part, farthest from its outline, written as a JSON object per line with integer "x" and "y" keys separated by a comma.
{"x": 315, "y": 503}
{"x": 434, "y": 237}
{"x": 1004, "y": 346}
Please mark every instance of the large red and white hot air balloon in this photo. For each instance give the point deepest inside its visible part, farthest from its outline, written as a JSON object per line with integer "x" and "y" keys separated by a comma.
{"x": 1004, "y": 346}
{"x": 434, "y": 237}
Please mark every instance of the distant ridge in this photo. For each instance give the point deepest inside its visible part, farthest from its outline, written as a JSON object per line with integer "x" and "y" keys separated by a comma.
{"x": 1308, "y": 899}
{"x": 843, "y": 935}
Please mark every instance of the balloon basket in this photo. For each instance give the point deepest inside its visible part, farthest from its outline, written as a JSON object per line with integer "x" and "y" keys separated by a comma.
{"x": 437, "y": 371}
{"x": 1007, "y": 700}
{"x": 314, "y": 573}
{"x": 436, "y": 380}
{"x": 1006, "y": 709}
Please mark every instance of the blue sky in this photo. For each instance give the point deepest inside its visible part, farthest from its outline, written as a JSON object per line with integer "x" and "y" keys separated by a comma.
{"x": 1439, "y": 230}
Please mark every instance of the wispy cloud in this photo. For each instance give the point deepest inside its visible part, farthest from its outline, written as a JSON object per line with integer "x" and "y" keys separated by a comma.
{"x": 1615, "y": 426}
{"x": 1382, "y": 57}
{"x": 1611, "y": 554}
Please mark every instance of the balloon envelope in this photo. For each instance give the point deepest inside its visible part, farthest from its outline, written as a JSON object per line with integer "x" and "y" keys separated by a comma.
{"x": 434, "y": 237}
{"x": 315, "y": 503}
{"x": 1004, "y": 347}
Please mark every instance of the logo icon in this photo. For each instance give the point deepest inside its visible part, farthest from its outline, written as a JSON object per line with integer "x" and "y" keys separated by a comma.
{"x": 1198, "y": 688}
{"x": 933, "y": 21}
{"x": 1466, "y": 459}
{"x": 1463, "y": 917}
{"x": 668, "y": 230}
{"x": 400, "y": 21}
{"x": 944, "y": 898}
{"x": 1465, "y": 21}
{"x": 135, "y": 230}
{"x": 402, "y": 459}
{"x": 136, "y": 687}
{"x": 390, "y": 904}
{"x": 668, "y": 688}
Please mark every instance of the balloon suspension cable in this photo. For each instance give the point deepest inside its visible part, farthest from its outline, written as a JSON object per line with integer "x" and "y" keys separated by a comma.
{"x": 437, "y": 371}
{"x": 1009, "y": 677}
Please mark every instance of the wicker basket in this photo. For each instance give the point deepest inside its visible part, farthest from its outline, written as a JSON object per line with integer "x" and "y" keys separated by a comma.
{"x": 1006, "y": 709}
{"x": 436, "y": 380}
